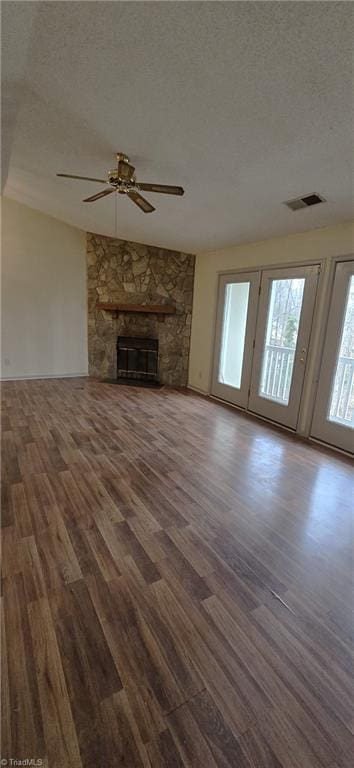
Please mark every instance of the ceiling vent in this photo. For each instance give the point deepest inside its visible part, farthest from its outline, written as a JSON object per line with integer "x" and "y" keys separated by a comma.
{"x": 304, "y": 202}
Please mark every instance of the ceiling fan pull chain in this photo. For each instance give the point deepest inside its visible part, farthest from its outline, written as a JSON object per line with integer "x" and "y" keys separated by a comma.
{"x": 115, "y": 216}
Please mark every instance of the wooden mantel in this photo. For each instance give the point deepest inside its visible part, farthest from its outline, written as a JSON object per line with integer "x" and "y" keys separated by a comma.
{"x": 155, "y": 309}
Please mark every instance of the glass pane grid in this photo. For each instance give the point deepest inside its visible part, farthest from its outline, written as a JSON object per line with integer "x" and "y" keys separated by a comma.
{"x": 284, "y": 311}
{"x": 341, "y": 408}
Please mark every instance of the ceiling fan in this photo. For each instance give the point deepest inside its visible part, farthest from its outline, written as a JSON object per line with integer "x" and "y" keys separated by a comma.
{"x": 123, "y": 180}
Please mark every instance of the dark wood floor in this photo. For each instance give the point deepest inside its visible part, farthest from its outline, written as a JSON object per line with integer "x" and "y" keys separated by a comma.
{"x": 177, "y": 585}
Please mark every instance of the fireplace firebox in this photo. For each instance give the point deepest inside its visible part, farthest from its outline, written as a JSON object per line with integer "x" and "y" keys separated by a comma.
{"x": 137, "y": 360}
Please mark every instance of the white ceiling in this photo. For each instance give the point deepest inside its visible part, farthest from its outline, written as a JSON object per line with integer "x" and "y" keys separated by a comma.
{"x": 245, "y": 104}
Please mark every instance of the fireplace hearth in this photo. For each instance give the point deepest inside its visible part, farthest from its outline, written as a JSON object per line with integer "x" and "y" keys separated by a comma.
{"x": 137, "y": 361}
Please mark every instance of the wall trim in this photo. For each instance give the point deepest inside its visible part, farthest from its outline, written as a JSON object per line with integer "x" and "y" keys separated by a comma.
{"x": 273, "y": 265}
{"x": 45, "y": 376}
{"x": 198, "y": 391}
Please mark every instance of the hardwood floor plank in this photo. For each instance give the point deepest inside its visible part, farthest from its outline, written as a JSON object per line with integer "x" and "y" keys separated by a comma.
{"x": 7, "y": 511}
{"x": 95, "y": 495}
{"x": 40, "y": 515}
{"x": 134, "y": 507}
{"x": 257, "y": 750}
{"x": 147, "y": 539}
{"x": 222, "y": 742}
{"x": 5, "y": 691}
{"x": 84, "y": 553}
{"x": 188, "y": 577}
{"x": 134, "y": 548}
{"x": 163, "y": 752}
{"x": 121, "y": 499}
{"x": 147, "y": 655}
{"x": 193, "y": 549}
{"x": 31, "y": 567}
{"x": 175, "y": 652}
{"x": 100, "y": 554}
{"x": 59, "y": 730}
{"x": 241, "y": 560}
{"x": 141, "y": 747}
{"x": 145, "y": 708}
{"x": 9, "y": 458}
{"x": 11, "y": 551}
{"x": 236, "y": 589}
{"x": 90, "y": 673}
{"x": 30, "y": 460}
{"x": 57, "y": 556}
{"x": 161, "y": 509}
{"x": 25, "y": 716}
{"x": 191, "y": 742}
{"x": 118, "y": 735}
{"x": 23, "y": 521}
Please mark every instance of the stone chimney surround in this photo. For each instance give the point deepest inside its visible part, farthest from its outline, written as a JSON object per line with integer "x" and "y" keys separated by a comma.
{"x": 122, "y": 272}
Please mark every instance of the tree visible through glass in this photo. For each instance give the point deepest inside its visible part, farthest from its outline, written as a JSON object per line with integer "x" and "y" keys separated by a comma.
{"x": 341, "y": 407}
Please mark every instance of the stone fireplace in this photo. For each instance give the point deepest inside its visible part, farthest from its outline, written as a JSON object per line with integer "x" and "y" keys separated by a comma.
{"x": 127, "y": 273}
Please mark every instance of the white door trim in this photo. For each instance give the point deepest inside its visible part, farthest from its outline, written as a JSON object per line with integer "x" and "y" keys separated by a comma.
{"x": 321, "y": 428}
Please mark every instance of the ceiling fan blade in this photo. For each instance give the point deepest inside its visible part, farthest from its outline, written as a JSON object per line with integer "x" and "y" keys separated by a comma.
{"x": 98, "y": 196}
{"x": 85, "y": 178}
{"x": 141, "y": 202}
{"x": 164, "y": 188}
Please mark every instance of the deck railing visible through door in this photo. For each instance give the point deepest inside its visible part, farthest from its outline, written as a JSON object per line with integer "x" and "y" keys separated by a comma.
{"x": 277, "y": 372}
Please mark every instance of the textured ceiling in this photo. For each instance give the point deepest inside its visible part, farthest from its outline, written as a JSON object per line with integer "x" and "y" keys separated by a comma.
{"x": 245, "y": 104}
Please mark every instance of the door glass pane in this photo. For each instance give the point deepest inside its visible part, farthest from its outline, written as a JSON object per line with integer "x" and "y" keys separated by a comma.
{"x": 284, "y": 311}
{"x": 233, "y": 334}
{"x": 341, "y": 408}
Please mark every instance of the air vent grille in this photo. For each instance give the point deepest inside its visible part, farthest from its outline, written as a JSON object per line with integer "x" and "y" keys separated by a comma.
{"x": 304, "y": 202}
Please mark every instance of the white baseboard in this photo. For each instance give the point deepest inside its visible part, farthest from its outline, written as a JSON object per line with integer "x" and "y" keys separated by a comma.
{"x": 44, "y": 376}
{"x": 199, "y": 391}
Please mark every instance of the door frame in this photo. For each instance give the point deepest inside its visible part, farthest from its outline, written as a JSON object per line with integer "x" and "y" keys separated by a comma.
{"x": 317, "y": 418}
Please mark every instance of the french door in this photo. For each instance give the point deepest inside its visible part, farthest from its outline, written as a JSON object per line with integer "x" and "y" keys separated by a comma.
{"x": 285, "y": 315}
{"x": 263, "y": 331}
{"x": 235, "y": 329}
{"x": 333, "y": 420}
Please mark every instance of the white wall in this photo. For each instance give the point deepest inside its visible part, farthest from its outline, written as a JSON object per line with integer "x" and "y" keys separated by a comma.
{"x": 44, "y": 305}
{"x": 316, "y": 244}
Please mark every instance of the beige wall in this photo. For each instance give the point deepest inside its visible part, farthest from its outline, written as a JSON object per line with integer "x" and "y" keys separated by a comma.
{"x": 316, "y": 244}
{"x": 43, "y": 314}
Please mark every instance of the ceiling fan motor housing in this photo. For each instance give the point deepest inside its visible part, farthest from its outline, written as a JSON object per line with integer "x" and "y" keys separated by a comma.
{"x": 122, "y": 177}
